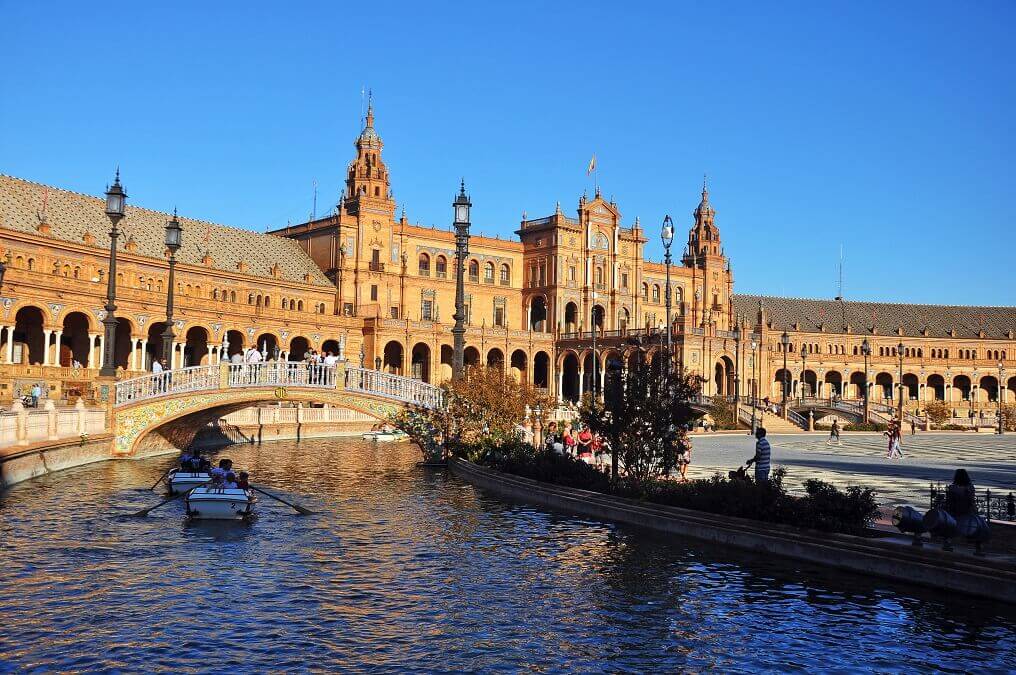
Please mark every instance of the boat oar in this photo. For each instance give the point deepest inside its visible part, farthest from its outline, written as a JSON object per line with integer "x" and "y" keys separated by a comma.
{"x": 162, "y": 477}
{"x": 299, "y": 508}
{"x": 144, "y": 512}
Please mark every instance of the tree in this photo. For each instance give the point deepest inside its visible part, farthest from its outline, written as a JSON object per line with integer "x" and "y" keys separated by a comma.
{"x": 484, "y": 408}
{"x": 643, "y": 422}
{"x": 938, "y": 412}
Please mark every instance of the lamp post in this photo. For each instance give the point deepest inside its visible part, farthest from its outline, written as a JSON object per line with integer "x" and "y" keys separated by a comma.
{"x": 377, "y": 363}
{"x": 596, "y": 378}
{"x": 754, "y": 382}
{"x": 899, "y": 350}
{"x": 866, "y": 351}
{"x": 461, "y": 206}
{"x": 174, "y": 237}
{"x": 737, "y": 370}
{"x": 667, "y": 235}
{"x": 116, "y": 198}
{"x": 785, "y": 341}
{"x": 999, "y": 396}
{"x": 804, "y": 369}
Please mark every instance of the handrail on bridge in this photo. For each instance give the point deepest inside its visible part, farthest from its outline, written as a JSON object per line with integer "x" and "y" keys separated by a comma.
{"x": 238, "y": 375}
{"x": 389, "y": 385}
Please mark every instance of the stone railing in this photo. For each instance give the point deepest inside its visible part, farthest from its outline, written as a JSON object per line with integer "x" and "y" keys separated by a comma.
{"x": 21, "y": 426}
{"x": 397, "y": 387}
{"x": 206, "y": 378}
{"x": 281, "y": 374}
{"x": 295, "y": 415}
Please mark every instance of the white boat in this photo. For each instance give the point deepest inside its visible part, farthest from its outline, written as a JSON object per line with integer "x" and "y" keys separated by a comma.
{"x": 207, "y": 503}
{"x": 179, "y": 480}
{"x": 385, "y": 436}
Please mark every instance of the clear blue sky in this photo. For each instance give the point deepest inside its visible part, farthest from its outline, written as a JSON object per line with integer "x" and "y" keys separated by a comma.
{"x": 885, "y": 127}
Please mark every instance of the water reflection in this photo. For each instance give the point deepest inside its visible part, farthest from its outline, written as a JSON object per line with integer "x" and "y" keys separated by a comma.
{"x": 403, "y": 568}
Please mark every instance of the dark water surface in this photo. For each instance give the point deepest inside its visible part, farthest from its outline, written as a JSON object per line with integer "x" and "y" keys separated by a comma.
{"x": 406, "y": 569}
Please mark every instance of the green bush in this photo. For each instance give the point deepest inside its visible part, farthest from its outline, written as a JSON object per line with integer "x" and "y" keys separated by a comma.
{"x": 824, "y": 507}
{"x": 952, "y": 427}
{"x": 870, "y": 426}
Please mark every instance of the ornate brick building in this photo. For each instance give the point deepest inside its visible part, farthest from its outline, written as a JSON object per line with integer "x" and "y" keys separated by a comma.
{"x": 370, "y": 285}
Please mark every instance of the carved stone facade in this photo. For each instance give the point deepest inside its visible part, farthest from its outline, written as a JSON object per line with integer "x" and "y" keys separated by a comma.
{"x": 370, "y": 285}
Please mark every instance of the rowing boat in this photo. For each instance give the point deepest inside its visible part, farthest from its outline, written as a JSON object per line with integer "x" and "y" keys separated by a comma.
{"x": 179, "y": 480}
{"x": 208, "y": 503}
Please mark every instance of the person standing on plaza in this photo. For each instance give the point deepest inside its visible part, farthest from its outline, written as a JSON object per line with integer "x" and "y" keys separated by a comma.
{"x": 913, "y": 427}
{"x": 36, "y": 394}
{"x": 763, "y": 455}
{"x": 683, "y": 453}
{"x": 834, "y": 432}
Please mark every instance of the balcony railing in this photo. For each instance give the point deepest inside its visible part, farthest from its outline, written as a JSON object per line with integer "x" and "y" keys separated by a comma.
{"x": 393, "y": 386}
{"x": 375, "y": 266}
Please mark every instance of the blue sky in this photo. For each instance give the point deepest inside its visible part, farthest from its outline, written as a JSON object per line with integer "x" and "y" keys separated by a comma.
{"x": 885, "y": 127}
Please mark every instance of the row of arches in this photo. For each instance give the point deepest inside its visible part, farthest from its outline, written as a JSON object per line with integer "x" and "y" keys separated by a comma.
{"x": 422, "y": 365}
{"x": 78, "y": 341}
{"x": 883, "y": 386}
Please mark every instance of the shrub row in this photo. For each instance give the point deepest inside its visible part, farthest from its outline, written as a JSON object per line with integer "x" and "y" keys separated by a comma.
{"x": 824, "y": 507}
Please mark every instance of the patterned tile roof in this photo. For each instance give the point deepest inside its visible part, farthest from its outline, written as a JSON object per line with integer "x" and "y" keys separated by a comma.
{"x": 886, "y": 317}
{"x": 70, "y": 215}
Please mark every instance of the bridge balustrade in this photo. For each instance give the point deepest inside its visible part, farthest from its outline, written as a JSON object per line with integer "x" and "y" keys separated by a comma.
{"x": 281, "y": 374}
{"x": 167, "y": 383}
{"x": 397, "y": 387}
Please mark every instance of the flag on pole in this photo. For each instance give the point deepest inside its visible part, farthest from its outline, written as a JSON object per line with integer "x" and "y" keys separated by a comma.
{"x": 592, "y": 165}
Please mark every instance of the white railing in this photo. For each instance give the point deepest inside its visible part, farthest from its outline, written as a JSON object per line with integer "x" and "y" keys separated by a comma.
{"x": 257, "y": 415}
{"x": 397, "y": 387}
{"x": 281, "y": 374}
{"x": 22, "y": 427}
{"x": 167, "y": 383}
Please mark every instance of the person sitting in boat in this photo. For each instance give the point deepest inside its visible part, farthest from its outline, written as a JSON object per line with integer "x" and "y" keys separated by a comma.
{"x": 243, "y": 482}
{"x": 185, "y": 459}
{"x": 230, "y": 482}
{"x": 217, "y": 480}
{"x": 224, "y": 467}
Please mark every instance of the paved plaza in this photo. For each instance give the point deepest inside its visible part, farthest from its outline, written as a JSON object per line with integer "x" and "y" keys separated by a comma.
{"x": 861, "y": 460}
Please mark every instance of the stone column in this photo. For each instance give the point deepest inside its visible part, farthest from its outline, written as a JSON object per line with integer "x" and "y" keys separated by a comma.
{"x": 582, "y": 379}
{"x": 560, "y": 385}
{"x": 211, "y": 350}
{"x": 79, "y": 407}
{"x": 47, "y": 334}
{"x": 102, "y": 349}
{"x": 56, "y": 347}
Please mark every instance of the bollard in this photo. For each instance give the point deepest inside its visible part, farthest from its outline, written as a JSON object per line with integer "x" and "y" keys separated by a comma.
{"x": 21, "y": 423}
{"x": 79, "y": 407}
{"x": 51, "y": 430}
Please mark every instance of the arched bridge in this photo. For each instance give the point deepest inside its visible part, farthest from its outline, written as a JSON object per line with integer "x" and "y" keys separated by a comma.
{"x": 143, "y": 404}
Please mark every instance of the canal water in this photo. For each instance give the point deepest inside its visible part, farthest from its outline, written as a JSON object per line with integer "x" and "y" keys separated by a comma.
{"x": 403, "y": 569}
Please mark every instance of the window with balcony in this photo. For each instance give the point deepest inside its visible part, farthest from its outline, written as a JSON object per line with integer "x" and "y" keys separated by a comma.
{"x": 488, "y": 273}
{"x": 424, "y": 266}
{"x": 499, "y": 316}
{"x": 506, "y": 275}
{"x": 427, "y": 310}
{"x": 474, "y": 272}
{"x": 394, "y": 312}
{"x": 441, "y": 267}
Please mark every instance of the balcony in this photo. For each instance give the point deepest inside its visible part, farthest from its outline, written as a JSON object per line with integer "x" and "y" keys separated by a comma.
{"x": 375, "y": 266}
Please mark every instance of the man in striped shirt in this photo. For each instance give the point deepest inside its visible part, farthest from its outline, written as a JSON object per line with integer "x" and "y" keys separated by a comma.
{"x": 761, "y": 458}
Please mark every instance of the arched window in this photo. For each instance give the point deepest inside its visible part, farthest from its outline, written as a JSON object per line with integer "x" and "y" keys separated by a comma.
{"x": 31, "y": 264}
{"x": 645, "y": 291}
{"x": 215, "y": 294}
{"x": 441, "y": 266}
{"x": 250, "y": 299}
{"x": 424, "y": 265}
{"x": 656, "y": 293}
{"x": 299, "y": 306}
{"x": 506, "y": 275}
{"x": 488, "y": 273}
{"x": 474, "y": 271}
{"x": 598, "y": 275}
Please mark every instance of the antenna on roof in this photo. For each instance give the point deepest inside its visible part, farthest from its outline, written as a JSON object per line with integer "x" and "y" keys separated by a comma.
{"x": 313, "y": 213}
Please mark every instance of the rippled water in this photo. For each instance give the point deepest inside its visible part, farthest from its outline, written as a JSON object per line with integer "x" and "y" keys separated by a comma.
{"x": 406, "y": 569}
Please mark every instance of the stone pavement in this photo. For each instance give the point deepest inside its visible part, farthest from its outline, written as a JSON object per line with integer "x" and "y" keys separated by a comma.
{"x": 861, "y": 460}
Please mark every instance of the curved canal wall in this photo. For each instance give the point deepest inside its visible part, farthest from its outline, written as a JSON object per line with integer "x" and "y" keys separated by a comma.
{"x": 889, "y": 558}
{"x": 19, "y": 463}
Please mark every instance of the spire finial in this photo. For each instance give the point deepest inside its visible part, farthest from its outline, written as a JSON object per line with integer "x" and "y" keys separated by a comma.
{"x": 557, "y": 208}
{"x": 705, "y": 188}
{"x": 116, "y": 181}
{"x": 462, "y": 186}
{"x": 370, "y": 107}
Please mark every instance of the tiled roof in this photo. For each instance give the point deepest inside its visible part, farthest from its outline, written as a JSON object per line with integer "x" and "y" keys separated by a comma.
{"x": 967, "y": 322}
{"x": 70, "y": 215}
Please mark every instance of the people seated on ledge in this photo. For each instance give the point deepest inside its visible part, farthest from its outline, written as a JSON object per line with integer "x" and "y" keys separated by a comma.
{"x": 960, "y": 503}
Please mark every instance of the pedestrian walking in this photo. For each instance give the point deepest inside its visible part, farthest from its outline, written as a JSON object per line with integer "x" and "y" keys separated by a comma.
{"x": 834, "y": 432}
{"x": 763, "y": 455}
{"x": 684, "y": 454}
{"x": 893, "y": 434}
{"x": 913, "y": 427}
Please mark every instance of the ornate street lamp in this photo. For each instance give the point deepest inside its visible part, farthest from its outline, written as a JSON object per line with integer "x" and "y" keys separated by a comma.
{"x": 785, "y": 341}
{"x": 174, "y": 238}
{"x": 461, "y": 206}
{"x": 754, "y": 382}
{"x": 116, "y": 199}
{"x": 866, "y": 351}
{"x": 1000, "y": 396}
{"x": 899, "y": 350}
{"x": 804, "y": 368}
{"x": 667, "y": 235}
